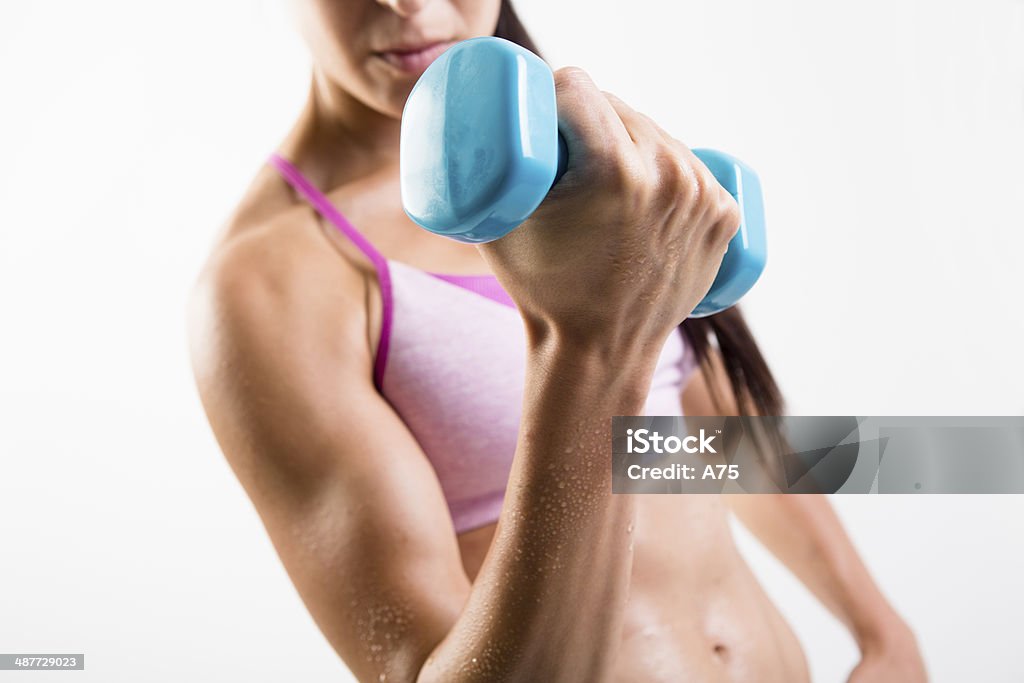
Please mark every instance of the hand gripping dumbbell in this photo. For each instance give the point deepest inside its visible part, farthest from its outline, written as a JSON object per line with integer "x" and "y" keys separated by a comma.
{"x": 480, "y": 150}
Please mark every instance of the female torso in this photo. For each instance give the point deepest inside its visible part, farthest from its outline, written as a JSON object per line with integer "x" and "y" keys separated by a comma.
{"x": 695, "y": 610}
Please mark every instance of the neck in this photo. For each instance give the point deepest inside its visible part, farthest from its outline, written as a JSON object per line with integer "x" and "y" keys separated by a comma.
{"x": 336, "y": 127}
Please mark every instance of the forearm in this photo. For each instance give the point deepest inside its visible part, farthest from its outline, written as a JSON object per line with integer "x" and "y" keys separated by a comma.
{"x": 549, "y": 599}
{"x": 804, "y": 532}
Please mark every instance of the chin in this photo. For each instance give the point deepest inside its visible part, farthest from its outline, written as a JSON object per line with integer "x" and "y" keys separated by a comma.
{"x": 388, "y": 95}
{"x": 394, "y": 102}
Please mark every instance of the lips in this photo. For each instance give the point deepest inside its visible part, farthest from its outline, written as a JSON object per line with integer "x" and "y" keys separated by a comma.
{"x": 414, "y": 59}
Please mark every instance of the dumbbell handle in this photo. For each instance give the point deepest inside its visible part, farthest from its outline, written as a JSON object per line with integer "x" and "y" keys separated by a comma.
{"x": 563, "y": 159}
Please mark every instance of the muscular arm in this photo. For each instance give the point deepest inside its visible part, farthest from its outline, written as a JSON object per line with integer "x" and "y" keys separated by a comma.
{"x": 283, "y": 364}
{"x": 549, "y": 599}
{"x": 804, "y": 532}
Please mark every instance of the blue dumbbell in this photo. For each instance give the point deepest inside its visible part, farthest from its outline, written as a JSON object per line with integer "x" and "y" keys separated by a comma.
{"x": 480, "y": 150}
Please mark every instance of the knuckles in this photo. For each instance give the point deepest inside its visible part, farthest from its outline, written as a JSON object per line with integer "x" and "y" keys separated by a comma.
{"x": 701, "y": 188}
{"x": 616, "y": 172}
{"x": 569, "y": 78}
{"x": 672, "y": 174}
{"x": 727, "y": 219}
{"x": 673, "y": 177}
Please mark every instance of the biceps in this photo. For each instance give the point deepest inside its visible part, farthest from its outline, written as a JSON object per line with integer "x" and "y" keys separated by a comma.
{"x": 374, "y": 559}
{"x": 348, "y": 498}
{"x": 359, "y": 520}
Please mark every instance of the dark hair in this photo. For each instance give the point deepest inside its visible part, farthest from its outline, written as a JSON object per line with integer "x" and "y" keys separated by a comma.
{"x": 753, "y": 385}
{"x": 511, "y": 28}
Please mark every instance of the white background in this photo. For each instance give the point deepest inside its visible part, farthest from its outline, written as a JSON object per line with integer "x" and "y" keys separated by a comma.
{"x": 890, "y": 138}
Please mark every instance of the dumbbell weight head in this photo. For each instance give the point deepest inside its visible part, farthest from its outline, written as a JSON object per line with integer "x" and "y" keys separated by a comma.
{"x": 748, "y": 249}
{"x": 479, "y": 141}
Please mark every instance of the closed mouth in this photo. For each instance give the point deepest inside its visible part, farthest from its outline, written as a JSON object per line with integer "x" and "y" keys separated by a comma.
{"x": 414, "y": 59}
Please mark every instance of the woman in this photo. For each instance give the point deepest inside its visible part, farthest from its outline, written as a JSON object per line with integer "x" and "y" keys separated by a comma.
{"x": 423, "y": 425}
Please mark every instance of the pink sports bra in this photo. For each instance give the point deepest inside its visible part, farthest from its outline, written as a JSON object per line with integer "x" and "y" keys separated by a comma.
{"x": 451, "y": 362}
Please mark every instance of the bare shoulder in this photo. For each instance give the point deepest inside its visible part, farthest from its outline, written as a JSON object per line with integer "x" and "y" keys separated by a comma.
{"x": 277, "y": 327}
{"x": 278, "y": 280}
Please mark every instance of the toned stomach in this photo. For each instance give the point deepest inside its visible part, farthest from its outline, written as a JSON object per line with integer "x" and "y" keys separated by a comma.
{"x": 695, "y": 611}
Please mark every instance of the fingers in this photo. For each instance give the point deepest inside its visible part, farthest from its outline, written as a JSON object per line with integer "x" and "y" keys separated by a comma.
{"x": 622, "y": 145}
{"x": 679, "y": 175}
{"x": 585, "y": 117}
{"x": 670, "y": 166}
{"x": 703, "y": 184}
{"x": 645, "y": 134}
